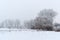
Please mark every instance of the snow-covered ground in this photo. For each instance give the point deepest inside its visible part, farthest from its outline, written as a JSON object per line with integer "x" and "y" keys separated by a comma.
{"x": 29, "y": 35}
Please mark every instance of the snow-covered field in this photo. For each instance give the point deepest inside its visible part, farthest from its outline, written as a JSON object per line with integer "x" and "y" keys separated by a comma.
{"x": 29, "y": 35}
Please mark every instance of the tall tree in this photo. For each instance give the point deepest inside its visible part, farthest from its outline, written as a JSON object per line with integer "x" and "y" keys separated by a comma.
{"x": 44, "y": 20}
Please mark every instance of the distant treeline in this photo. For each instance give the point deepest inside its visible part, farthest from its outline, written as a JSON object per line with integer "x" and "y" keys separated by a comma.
{"x": 44, "y": 22}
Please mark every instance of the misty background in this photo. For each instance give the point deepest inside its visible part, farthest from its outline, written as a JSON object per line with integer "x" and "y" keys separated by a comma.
{"x": 26, "y": 9}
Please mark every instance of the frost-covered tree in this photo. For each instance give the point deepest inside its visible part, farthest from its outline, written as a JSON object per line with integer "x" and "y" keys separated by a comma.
{"x": 17, "y": 24}
{"x": 29, "y": 24}
{"x": 10, "y": 24}
{"x": 6, "y": 24}
{"x": 44, "y": 20}
{"x": 47, "y": 13}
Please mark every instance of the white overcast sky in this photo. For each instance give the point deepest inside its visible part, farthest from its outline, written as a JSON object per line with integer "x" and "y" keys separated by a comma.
{"x": 26, "y": 9}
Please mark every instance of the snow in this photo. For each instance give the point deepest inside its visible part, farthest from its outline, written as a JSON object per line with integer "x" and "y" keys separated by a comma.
{"x": 29, "y": 35}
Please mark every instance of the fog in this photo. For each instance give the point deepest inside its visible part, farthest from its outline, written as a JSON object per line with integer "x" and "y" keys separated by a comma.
{"x": 27, "y": 9}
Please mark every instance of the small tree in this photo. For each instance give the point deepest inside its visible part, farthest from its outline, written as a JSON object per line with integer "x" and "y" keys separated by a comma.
{"x": 17, "y": 24}
{"x": 29, "y": 24}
